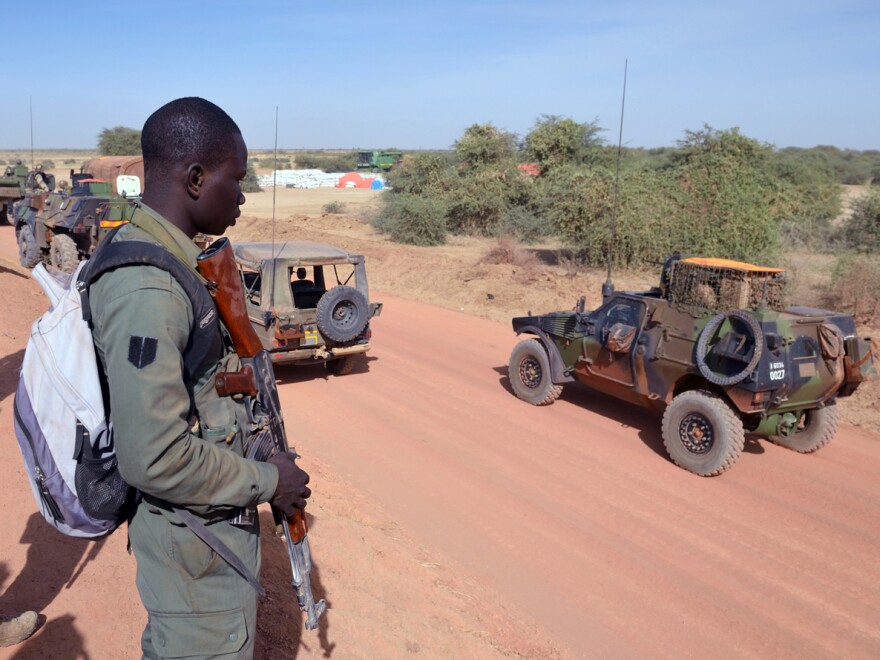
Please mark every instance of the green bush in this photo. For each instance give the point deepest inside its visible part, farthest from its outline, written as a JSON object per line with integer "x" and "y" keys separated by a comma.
{"x": 413, "y": 220}
{"x": 250, "y": 184}
{"x": 854, "y": 286}
{"x": 119, "y": 141}
{"x": 327, "y": 162}
{"x": 484, "y": 145}
{"x": 426, "y": 173}
{"x": 558, "y": 141}
{"x": 861, "y": 231}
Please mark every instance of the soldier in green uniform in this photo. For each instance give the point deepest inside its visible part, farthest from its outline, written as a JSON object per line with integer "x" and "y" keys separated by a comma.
{"x": 178, "y": 442}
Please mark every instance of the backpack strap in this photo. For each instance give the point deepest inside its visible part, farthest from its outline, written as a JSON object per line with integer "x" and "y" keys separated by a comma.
{"x": 109, "y": 256}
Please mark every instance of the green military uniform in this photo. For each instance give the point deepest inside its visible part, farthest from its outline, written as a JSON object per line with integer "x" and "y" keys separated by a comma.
{"x": 180, "y": 444}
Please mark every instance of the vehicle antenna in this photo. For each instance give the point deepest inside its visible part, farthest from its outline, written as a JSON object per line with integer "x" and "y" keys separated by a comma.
{"x": 274, "y": 185}
{"x": 274, "y": 178}
{"x": 608, "y": 287}
{"x": 31, "y": 101}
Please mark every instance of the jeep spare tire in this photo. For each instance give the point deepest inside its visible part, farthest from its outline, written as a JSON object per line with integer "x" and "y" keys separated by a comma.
{"x": 741, "y": 355}
{"x": 342, "y": 314}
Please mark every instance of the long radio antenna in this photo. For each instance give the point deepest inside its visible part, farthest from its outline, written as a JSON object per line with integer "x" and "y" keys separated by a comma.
{"x": 31, "y": 101}
{"x": 608, "y": 287}
{"x": 274, "y": 178}
{"x": 274, "y": 185}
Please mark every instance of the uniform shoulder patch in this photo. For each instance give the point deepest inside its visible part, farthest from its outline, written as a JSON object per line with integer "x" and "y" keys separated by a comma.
{"x": 142, "y": 351}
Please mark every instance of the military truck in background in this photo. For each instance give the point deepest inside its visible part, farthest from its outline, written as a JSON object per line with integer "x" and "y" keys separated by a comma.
{"x": 125, "y": 174}
{"x": 376, "y": 161}
{"x": 16, "y": 181}
{"x": 62, "y": 228}
{"x": 715, "y": 347}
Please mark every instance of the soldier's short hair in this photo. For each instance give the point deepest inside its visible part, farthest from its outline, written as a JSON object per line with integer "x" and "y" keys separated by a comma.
{"x": 187, "y": 129}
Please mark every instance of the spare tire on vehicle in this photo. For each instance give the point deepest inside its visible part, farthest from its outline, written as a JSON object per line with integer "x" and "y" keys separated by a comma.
{"x": 342, "y": 314}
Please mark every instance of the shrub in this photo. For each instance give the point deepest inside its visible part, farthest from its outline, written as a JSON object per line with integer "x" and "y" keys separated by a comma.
{"x": 505, "y": 251}
{"x": 334, "y": 206}
{"x": 250, "y": 184}
{"x": 48, "y": 164}
{"x": 413, "y": 220}
{"x": 557, "y": 141}
{"x": 861, "y": 231}
{"x": 119, "y": 141}
{"x": 854, "y": 286}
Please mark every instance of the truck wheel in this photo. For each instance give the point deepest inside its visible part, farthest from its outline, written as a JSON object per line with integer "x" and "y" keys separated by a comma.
{"x": 342, "y": 366}
{"x": 63, "y": 253}
{"x": 5, "y": 213}
{"x": 28, "y": 252}
{"x": 702, "y": 433}
{"x": 529, "y": 372}
{"x": 735, "y": 367}
{"x": 814, "y": 430}
{"x": 342, "y": 314}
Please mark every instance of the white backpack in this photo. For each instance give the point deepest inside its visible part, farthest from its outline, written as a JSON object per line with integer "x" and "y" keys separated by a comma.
{"x": 62, "y": 427}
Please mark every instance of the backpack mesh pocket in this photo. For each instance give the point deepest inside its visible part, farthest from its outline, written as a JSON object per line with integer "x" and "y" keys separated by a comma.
{"x": 100, "y": 488}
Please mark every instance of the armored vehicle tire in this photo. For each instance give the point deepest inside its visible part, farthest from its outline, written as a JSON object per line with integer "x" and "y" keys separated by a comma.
{"x": 815, "y": 429}
{"x": 702, "y": 433}
{"x": 530, "y": 375}
{"x": 342, "y": 314}
{"x": 28, "y": 252}
{"x": 342, "y": 366}
{"x": 63, "y": 253}
{"x": 755, "y": 335}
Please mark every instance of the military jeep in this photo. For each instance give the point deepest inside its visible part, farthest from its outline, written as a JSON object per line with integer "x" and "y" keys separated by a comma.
{"x": 715, "y": 347}
{"x": 308, "y": 302}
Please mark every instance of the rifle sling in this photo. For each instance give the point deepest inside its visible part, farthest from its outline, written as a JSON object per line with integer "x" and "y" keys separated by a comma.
{"x": 218, "y": 546}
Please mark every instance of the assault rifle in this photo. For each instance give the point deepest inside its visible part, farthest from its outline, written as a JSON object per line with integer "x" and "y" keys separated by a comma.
{"x": 257, "y": 381}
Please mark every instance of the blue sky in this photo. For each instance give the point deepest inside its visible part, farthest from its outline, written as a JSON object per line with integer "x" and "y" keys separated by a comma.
{"x": 416, "y": 74}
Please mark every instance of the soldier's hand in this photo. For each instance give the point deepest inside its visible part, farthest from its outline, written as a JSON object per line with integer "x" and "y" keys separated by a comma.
{"x": 291, "y": 491}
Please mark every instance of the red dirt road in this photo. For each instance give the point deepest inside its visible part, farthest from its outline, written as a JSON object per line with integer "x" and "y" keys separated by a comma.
{"x": 451, "y": 519}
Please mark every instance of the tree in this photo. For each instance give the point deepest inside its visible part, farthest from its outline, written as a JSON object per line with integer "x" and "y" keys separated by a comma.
{"x": 484, "y": 145}
{"x": 556, "y": 141}
{"x": 119, "y": 141}
{"x": 726, "y": 195}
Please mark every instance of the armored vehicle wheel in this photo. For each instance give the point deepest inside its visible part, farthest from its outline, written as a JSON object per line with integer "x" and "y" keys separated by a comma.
{"x": 342, "y": 366}
{"x": 530, "y": 376}
{"x": 729, "y": 365}
{"x": 342, "y": 314}
{"x": 702, "y": 433}
{"x": 814, "y": 430}
{"x": 63, "y": 253}
{"x": 28, "y": 252}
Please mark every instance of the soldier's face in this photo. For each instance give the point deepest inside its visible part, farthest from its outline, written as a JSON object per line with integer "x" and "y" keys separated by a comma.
{"x": 221, "y": 193}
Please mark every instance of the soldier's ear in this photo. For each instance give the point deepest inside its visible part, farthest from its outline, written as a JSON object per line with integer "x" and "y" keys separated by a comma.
{"x": 195, "y": 178}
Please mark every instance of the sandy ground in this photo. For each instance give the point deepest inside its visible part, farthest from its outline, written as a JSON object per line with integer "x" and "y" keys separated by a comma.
{"x": 451, "y": 520}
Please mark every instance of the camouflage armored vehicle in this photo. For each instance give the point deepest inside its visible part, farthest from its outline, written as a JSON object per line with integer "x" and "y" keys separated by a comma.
{"x": 17, "y": 181}
{"x": 61, "y": 228}
{"x": 715, "y": 347}
{"x": 308, "y": 302}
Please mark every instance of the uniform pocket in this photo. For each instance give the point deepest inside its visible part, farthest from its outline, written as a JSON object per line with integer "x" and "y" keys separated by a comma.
{"x": 217, "y": 420}
{"x": 187, "y": 635}
{"x": 192, "y": 555}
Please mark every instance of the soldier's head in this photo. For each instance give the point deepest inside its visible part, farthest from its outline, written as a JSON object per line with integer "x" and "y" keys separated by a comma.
{"x": 194, "y": 161}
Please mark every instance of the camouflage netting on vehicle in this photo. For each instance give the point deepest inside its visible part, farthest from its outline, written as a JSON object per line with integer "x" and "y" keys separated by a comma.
{"x": 701, "y": 286}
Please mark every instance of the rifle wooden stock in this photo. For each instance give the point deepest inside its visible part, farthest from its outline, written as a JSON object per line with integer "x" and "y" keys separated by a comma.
{"x": 217, "y": 265}
{"x": 257, "y": 379}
